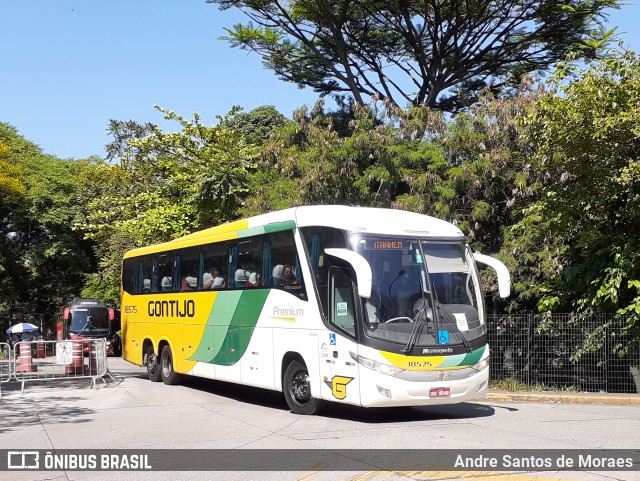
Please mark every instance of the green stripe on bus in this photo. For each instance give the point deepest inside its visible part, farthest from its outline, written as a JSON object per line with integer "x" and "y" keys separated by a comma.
{"x": 241, "y": 327}
{"x": 251, "y": 231}
{"x": 279, "y": 226}
{"x": 217, "y": 326}
{"x": 463, "y": 359}
{"x": 473, "y": 357}
{"x": 453, "y": 360}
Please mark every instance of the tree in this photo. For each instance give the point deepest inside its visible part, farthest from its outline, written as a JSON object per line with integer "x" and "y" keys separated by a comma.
{"x": 361, "y": 162}
{"x": 44, "y": 261}
{"x": 433, "y": 53}
{"x": 587, "y": 220}
{"x": 12, "y": 192}
{"x": 255, "y": 126}
{"x": 490, "y": 175}
{"x": 164, "y": 185}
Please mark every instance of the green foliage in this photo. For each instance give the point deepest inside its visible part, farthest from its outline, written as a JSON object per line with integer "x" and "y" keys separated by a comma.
{"x": 11, "y": 188}
{"x": 546, "y": 179}
{"x": 489, "y": 174}
{"x": 43, "y": 260}
{"x": 439, "y": 54}
{"x": 587, "y": 221}
{"x": 369, "y": 160}
{"x": 256, "y": 126}
{"x": 166, "y": 185}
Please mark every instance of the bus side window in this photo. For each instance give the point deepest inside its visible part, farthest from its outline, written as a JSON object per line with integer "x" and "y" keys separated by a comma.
{"x": 316, "y": 240}
{"x": 144, "y": 275}
{"x": 189, "y": 262}
{"x": 341, "y": 295}
{"x": 281, "y": 265}
{"x": 214, "y": 266}
{"x": 163, "y": 272}
{"x": 129, "y": 275}
{"x": 245, "y": 262}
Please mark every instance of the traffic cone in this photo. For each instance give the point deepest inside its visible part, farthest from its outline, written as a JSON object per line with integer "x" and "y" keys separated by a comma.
{"x": 26, "y": 363}
{"x": 41, "y": 350}
{"x": 77, "y": 365}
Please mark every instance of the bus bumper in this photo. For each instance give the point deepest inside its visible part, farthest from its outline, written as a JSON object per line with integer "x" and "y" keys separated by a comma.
{"x": 385, "y": 391}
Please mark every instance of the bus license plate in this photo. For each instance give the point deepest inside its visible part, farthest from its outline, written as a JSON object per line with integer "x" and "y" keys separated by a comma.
{"x": 440, "y": 392}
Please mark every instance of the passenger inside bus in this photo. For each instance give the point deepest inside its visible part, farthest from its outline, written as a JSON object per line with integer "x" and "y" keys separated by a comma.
{"x": 190, "y": 283}
{"x": 213, "y": 279}
{"x": 277, "y": 274}
{"x": 288, "y": 277}
{"x": 253, "y": 281}
{"x": 241, "y": 277}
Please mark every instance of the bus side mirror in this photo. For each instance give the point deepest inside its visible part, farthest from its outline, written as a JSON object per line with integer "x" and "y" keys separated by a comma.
{"x": 504, "y": 279}
{"x": 359, "y": 265}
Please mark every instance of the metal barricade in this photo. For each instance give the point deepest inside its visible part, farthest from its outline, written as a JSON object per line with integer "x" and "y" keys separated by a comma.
{"x": 55, "y": 360}
{"x": 5, "y": 364}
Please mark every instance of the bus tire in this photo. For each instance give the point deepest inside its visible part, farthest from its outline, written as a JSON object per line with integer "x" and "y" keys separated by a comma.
{"x": 169, "y": 375}
{"x": 297, "y": 389}
{"x": 153, "y": 367}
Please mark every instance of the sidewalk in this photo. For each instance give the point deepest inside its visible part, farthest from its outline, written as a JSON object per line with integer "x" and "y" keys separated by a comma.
{"x": 498, "y": 395}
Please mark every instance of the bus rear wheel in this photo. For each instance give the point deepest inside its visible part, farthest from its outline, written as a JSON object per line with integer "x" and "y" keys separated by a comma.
{"x": 297, "y": 389}
{"x": 169, "y": 375}
{"x": 153, "y": 368}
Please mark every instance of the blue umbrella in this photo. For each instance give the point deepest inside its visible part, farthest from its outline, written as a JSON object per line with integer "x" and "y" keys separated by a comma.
{"x": 21, "y": 328}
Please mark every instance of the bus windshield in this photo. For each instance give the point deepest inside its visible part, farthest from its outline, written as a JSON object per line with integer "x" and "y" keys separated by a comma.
{"x": 90, "y": 320}
{"x": 424, "y": 293}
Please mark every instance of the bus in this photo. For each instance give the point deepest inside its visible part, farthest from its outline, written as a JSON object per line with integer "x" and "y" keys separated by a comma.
{"x": 363, "y": 306}
{"x": 89, "y": 319}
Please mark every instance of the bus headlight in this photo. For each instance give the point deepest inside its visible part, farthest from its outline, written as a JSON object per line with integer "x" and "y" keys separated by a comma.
{"x": 481, "y": 365}
{"x": 375, "y": 365}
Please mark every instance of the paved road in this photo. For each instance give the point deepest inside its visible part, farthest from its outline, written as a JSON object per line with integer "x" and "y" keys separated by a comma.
{"x": 134, "y": 413}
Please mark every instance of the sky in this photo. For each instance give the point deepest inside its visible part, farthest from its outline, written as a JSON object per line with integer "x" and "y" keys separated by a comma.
{"x": 69, "y": 66}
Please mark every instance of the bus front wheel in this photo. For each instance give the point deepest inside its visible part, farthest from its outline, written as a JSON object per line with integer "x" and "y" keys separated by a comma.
{"x": 169, "y": 375}
{"x": 297, "y": 389}
{"x": 153, "y": 369}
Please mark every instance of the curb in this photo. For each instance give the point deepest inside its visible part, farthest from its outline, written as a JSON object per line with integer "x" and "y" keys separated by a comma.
{"x": 568, "y": 398}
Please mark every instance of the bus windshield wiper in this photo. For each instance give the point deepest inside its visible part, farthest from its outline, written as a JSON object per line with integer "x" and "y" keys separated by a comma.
{"x": 419, "y": 321}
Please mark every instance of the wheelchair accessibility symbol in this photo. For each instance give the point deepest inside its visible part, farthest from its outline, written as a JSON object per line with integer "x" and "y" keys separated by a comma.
{"x": 332, "y": 339}
{"x": 443, "y": 337}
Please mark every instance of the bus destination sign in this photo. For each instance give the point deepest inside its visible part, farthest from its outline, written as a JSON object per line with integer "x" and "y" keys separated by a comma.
{"x": 387, "y": 245}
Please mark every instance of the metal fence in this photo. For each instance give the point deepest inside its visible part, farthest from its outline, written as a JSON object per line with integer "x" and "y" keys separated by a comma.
{"x": 56, "y": 360}
{"x": 5, "y": 364}
{"x": 564, "y": 351}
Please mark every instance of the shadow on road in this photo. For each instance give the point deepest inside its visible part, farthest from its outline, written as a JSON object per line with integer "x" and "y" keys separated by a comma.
{"x": 19, "y": 411}
{"x": 407, "y": 414}
{"x": 275, "y": 400}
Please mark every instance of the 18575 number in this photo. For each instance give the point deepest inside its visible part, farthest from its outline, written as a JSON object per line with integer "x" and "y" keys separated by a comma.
{"x": 131, "y": 309}
{"x": 419, "y": 364}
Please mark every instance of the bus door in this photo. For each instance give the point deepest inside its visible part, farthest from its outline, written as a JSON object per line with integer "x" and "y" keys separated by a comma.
{"x": 339, "y": 371}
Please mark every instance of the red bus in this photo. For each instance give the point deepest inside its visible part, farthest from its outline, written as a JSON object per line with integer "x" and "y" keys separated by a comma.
{"x": 90, "y": 319}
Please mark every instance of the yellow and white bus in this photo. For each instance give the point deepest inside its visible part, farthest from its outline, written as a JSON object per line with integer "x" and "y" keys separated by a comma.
{"x": 364, "y": 306}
